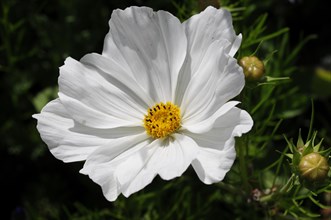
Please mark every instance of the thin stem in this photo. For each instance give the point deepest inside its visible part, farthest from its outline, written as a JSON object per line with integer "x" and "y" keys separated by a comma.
{"x": 275, "y": 196}
{"x": 242, "y": 150}
{"x": 288, "y": 184}
{"x": 311, "y": 120}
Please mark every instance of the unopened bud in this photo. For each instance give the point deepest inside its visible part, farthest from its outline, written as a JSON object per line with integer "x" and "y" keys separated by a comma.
{"x": 314, "y": 167}
{"x": 253, "y": 67}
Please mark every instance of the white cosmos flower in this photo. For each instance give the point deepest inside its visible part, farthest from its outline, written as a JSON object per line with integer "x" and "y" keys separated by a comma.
{"x": 153, "y": 103}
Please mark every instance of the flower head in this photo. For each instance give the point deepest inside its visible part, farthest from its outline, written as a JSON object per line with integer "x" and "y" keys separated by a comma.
{"x": 153, "y": 103}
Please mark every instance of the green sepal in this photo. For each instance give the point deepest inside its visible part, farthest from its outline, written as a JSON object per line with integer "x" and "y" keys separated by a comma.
{"x": 276, "y": 79}
{"x": 318, "y": 146}
{"x": 296, "y": 159}
{"x": 289, "y": 156}
{"x": 300, "y": 143}
{"x": 307, "y": 150}
{"x": 290, "y": 145}
{"x": 326, "y": 153}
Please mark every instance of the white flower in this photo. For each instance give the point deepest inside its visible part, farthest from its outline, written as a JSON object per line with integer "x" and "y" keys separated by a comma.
{"x": 155, "y": 102}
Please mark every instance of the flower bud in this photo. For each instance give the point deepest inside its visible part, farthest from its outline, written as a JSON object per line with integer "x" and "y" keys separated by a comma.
{"x": 313, "y": 167}
{"x": 253, "y": 67}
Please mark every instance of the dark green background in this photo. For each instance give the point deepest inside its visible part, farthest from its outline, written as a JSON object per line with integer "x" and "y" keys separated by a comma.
{"x": 37, "y": 36}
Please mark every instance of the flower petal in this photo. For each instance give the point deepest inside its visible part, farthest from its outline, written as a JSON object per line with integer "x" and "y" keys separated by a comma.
{"x": 228, "y": 86}
{"x": 211, "y": 165}
{"x": 93, "y": 100}
{"x": 102, "y": 163}
{"x": 120, "y": 76}
{"x": 218, "y": 79}
{"x": 210, "y": 25}
{"x": 203, "y": 84}
{"x": 235, "y": 45}
{"x": 217, "y": 152}
{"x": 208, "y": 123}
{"x": 202, "y": 31}
{"x": 168, "y": 158}
{"x": 232, "y": 123}
{"x": 70, "y": 141}
{"x": 135, "y": 168}
{"x": 152, "y": 44}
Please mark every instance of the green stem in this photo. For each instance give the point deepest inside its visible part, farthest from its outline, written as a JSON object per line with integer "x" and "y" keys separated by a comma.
{"x": 242, "y": 150}
{"x": 267, "y": 198}
{"x": 311, "y": 120}
{"x": 288, "y": 184}
{"x": 275, "y": 196}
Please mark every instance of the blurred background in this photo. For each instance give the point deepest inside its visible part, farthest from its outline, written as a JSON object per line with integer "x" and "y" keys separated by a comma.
{"x": 35, "y": 38}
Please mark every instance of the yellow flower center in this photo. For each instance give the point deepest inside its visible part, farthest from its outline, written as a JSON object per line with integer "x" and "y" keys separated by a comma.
{"x": 162, "y": 120}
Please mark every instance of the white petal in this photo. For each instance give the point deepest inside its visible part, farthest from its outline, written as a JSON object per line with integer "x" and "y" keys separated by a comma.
{"x": 233, "y": 123}
{"x": 176, "y": 156}
{"x": 202, "y": 30}
{"x": 152, "y": 44}
{"x": 218, "y": 79}
{"x": 120, "y": 76}
{"x": 68, "y": 140}
{"x": 230, "y": 84}
{"x": 208, "y": 123}
{"x": 240, "y": 118}
{"x": 211, "y": 165}
{"x": 235, "y": 45}
{"x": 168, "y": 158}
{"x": 217, "y": 151}
{"x": 93, "y": 100}
{"x": 129, "y": 171}
{"x": 102, "y": 163}
{"x": 203, "y": 84}
{"x": 210, "y": 25}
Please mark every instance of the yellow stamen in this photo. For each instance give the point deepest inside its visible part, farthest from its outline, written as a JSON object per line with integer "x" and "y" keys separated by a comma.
{"x": 162, "y": 120}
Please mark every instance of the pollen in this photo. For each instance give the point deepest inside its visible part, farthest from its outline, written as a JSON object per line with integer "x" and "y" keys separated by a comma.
{"x": 162, "y": 120}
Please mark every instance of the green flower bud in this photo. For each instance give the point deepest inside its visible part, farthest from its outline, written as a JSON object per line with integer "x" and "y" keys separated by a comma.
{"x": 313, "y": 167}
{"x": 253, "y": 67}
